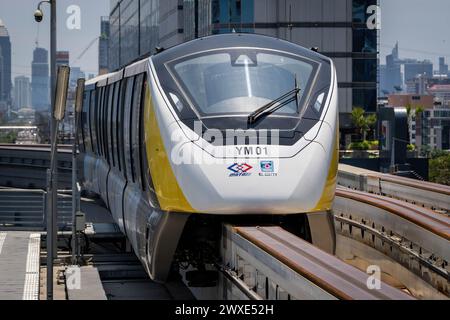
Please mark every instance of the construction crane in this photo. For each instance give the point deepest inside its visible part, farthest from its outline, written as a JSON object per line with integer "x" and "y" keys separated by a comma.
{"x": 102, "y": 36}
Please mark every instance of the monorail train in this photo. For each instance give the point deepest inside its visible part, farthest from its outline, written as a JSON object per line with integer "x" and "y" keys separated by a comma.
{"x": 237, "y": 128}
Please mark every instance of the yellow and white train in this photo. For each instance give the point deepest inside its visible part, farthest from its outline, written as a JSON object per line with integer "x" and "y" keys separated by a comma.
{"x": 237, "y": 128}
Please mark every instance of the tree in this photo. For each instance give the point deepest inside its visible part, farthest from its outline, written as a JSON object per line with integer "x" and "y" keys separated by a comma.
{"x": 439, "y": 168}
{"x": 419, "y": 110}
{"x": 8, "y": 137}
{"x": 362, "y": 122}
{"x": 408, "y": 109}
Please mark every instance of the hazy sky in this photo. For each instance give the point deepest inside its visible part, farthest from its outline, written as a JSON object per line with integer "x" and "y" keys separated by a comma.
{"x": 421, "y": 27}
{"x": 17, "y": 15}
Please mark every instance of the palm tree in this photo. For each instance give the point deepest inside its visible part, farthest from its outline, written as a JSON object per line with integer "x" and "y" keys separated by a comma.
{"x": 363, "y": 123}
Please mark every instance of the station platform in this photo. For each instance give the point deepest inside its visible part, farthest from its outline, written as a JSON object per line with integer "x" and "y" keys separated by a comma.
{"x": 19, "y": 265}
{"x": 90, "y": 287}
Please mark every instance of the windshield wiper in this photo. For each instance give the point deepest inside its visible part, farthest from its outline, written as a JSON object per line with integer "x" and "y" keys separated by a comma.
{"x": 274, "y": 105}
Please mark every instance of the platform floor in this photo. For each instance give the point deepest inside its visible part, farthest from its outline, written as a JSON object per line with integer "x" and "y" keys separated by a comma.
{"x": 19, "y": 265}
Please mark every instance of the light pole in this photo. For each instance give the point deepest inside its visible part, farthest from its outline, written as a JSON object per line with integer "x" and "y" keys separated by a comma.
{"x": 52, "y": 178}
{"x": 75, "y": 193}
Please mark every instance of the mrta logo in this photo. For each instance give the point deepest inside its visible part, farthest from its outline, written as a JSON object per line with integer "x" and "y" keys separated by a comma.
{"x": 240, "y": 170}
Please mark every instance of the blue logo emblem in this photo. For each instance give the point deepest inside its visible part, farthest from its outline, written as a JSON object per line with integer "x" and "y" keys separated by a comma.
{"x": 240, "y": 170}
{"x": 267, "y": 166}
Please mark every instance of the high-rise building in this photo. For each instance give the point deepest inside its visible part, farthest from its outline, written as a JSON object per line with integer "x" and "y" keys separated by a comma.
{"x": 443, "y": 67}
{"x": 418, "y": 85}
{"x": 383, "y": 80}
{"x": 103, "y": 46}
{"x": 5, "y": 46}
{"x": 22, "y": 92}
{"x": 393, "y": 79}
{"x": 1, "y": 70}
{"x": 414, "y": 68}
{"x": 40, "y": 87}
{"x": 340, "y": 29}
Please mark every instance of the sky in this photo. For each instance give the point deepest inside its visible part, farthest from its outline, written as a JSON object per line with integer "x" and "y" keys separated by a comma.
{"x": 18, "y": 17}
{"x": 421, "y": 27}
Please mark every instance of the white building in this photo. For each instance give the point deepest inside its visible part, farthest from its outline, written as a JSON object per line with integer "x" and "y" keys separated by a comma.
{"x": 22, "y": 92}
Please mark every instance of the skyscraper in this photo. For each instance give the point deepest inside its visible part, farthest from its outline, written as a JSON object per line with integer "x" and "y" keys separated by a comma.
{"x": 22, "y": 92}
{"x": 443, "y": 67}
{"x": 393, "y": 80}
{"x": 5, "y": 46}
{"x": 103, "y": 46}
{"x": 414, "y": 68}
{"x": 40, "y": 87}
{"x": 1, "y": 70}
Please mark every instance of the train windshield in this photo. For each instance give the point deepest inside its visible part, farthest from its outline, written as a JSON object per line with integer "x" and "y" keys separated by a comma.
{"x": 240, "y": 81}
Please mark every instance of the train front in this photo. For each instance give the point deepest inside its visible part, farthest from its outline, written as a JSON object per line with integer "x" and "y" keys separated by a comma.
{"x": 242, "y": 124}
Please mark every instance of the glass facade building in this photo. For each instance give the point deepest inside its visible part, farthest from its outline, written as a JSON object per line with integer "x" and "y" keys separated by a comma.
{"x": 365, "y": 59}
{"x": 339, "y": 28}
{"x": 40, "y": 81}
{"x": 423, "y": 68}
{"x": 5, "y": 65}
{"x": 103, "y": 43}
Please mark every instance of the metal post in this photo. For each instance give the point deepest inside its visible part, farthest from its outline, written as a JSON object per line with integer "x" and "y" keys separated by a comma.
{"x": 78, "y": 108}
{"x": 52, "y": 188}
{"x": 48, "y": 206}
{"x": 54, "y": 122}
{"x": 74, "y": 189}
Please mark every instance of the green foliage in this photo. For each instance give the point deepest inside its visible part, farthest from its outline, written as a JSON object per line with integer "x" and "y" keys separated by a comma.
{"x": 9, "y": 137}
{"x": 439, "y": 169}
{"x": 408, "y": 109}
{"x": 362, "y": 122}
{"x": 419, "y": 110}
{"x": 373, "y": 144}
{"x": 410, "y": 147}
{"x": 364, "y": 145}
{"x": 358, "y": 116}
{"x": 361, "y": 145}
{"x": 436, "y": 153}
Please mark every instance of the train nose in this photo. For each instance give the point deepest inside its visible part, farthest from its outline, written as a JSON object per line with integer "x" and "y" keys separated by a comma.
{"x": 260, "y": 185}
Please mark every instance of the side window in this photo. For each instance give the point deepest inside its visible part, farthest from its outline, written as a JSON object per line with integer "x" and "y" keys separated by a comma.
{"x": 135, "y": 128}
{"x": 109, "y": 135}
{"x": 106, "y": 123}
{"x": 127, "y": 125}
{"x": 120, "y": 126}
{"x": 98, "y": 107}
{"x": 143, "y": 150}
{"x": 92, "y": 120}
{"x": 100, "y": 120}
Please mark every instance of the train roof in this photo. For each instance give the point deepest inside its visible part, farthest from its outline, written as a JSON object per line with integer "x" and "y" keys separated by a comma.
{"x": 212, "y": 42}
{"x": 232, "y": 40}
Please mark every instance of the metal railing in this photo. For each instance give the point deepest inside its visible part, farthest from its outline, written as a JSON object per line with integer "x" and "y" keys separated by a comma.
{"x": 25, "y": 210}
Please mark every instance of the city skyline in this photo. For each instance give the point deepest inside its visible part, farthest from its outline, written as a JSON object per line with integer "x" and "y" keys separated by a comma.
{"x": 420, "y": 28}
{"x": 24, "y": 32}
